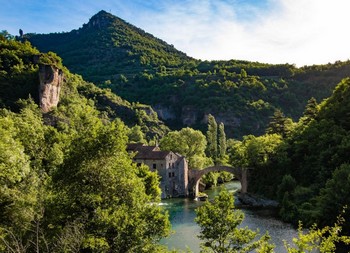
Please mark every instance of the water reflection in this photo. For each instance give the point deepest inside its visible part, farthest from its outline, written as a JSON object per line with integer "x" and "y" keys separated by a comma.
{"x": 182, "y": 216}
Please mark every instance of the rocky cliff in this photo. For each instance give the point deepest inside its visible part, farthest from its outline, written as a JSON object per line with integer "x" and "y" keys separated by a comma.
{"x": 51, "y": 79}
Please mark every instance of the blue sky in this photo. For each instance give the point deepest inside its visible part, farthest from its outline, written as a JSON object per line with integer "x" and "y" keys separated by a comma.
{"x": 301, "y": 32}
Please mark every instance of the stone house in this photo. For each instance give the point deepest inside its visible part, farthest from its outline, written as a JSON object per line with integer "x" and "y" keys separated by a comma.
{"x": 171, "y": 167}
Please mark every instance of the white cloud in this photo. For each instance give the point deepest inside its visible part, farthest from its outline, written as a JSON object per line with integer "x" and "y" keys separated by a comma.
{"x": 273, "y": 31}
{"x": 293, "y": 31}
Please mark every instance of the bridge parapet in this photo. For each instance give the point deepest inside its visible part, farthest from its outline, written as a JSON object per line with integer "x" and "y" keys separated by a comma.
{"x": 195, "y": 176}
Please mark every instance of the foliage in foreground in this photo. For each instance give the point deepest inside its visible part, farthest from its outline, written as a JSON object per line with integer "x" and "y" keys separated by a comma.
{"x": 67, "y": 183}
{"x": 324, "y": 240}
{"x": 221, "y": 232}
{"x": 74, "y": 185}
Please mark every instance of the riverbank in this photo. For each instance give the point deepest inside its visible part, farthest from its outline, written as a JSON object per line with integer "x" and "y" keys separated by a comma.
{"x": 247, "y": 200}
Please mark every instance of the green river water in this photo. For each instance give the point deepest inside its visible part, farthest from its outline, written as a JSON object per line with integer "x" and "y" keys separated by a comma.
{"x": 185, "y": 230}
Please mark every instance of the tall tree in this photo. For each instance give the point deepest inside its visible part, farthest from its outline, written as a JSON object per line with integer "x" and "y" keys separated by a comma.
{"x": 219, "y": 222}
{"x": 212, "y": 133}
{"x": 98, "y": 187}
{"x": 189, "y": 143}
{"x": 310, "y": 112}
{"x": 311, "y": 108}
{"x": 279, "y": 124}
{"x": 222, "y": 146}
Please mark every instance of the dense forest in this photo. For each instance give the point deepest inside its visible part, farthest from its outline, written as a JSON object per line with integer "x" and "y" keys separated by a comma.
{"x": 67, "y": 183}
{"x": 308, "y": 171}
{"x": 304, "y": 165}
{"x": 184, "y": 91}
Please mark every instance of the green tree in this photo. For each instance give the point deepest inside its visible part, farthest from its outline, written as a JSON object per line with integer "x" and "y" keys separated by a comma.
{"x": 279, "y": 124}
{"x": 222, "y": 145}
{"x": 253, "y": 151}
{"x": 323, "y": 240}
{"x": 18, "y": 182}
{"x": 210, "y": 179}
{"x": 236, "y": 151}
{"x": 135, "y": 135}
{"x": 287, "y": 185}
{"x": 98, "y": 187}
{"x": 334, "y": 196}
{"x": 310, "y": 112}
{"x": 244, "y": 73}
{"x": 189, "y": 143}
{"x": 212, "y": 137}
{"x": 311, "y": 108}
{"x": 219, "y": 222}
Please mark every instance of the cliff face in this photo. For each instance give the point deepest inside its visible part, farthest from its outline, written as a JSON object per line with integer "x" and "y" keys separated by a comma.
{"x": 51, "y": 80}
{"x": 191, "y": 116}
{"x": 165, "y": 112}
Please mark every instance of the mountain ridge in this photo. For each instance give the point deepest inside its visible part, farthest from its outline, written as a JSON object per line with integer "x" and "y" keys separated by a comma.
{"x": 109, "y": 45}
{"x": 141, "y": 68}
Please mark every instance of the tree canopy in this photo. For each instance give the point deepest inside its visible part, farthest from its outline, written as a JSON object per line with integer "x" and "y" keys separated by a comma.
{"x": 189, "y": 143}
{"x": 67, "y": 183}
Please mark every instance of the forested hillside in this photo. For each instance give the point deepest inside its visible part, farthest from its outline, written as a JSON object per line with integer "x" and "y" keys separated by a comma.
{"x": 308, "y": 172}
{"x": 184, "y": 91}
{"x": 20, "y": 79}
{"x": 67, "y": 183}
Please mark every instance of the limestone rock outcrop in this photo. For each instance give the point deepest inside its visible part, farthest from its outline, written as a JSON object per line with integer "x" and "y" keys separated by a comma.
{"x": 165, "y": 112}
{"x": 51, "y": 79}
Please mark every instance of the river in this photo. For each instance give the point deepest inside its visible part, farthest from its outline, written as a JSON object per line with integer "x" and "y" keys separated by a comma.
{"x": 185, "y": 230}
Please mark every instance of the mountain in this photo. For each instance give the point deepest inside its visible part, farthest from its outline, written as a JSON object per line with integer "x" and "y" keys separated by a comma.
{"x": 184, "y": 91}
{"x": 107, "y": 46}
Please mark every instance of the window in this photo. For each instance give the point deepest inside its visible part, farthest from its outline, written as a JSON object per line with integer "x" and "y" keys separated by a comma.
{"x": 154, "y": 166}
{"x": 173, "y": 174}
{"x": 169, "y": 174}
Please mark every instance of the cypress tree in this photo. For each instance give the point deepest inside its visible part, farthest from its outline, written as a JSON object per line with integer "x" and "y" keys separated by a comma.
{"x": 212, "y": 133}
{"x": 221, "y": 142}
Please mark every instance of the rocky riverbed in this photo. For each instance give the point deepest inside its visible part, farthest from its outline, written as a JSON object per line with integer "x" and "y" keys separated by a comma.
{"x": 250, "y": 200}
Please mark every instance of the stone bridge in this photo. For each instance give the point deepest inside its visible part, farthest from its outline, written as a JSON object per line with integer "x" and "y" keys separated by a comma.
{"x": 195, "y": 176}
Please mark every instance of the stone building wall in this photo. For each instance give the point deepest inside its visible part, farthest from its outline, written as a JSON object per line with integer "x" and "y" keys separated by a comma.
{"x": 173, "y": 172}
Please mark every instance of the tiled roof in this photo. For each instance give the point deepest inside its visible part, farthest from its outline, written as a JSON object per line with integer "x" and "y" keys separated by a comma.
{"x": 133, "y": 146}
{"x": 147, "y": 152}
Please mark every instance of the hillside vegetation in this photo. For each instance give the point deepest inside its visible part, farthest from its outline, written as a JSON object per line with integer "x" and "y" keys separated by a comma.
{"x": 19, "y": 80}
{"x": 184, "y": 91}
{"x": 67, "y": 183}
{"x": 307, "y": 169}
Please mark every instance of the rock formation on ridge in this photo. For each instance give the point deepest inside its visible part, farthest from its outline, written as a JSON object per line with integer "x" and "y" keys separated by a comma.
{"x": 51, "y": 79}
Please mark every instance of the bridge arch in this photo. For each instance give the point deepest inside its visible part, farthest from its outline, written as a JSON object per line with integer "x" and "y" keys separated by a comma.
{"x": 195, "y": 176}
